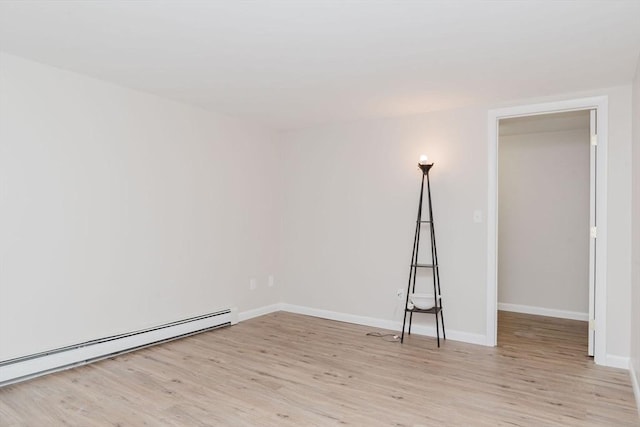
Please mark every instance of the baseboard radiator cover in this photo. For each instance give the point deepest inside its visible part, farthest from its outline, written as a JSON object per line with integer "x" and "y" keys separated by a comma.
{"x": 34, "y": 365}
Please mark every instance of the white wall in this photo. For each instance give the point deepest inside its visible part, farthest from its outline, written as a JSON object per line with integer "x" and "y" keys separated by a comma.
{"x": 543, "y": 237}
{"x": 350, "y": 205}
{"x": 619, "y": 222}
{"x": 350, "y": 211}
{"x": 120, "y": 210}
{"x": 635, "y": 235}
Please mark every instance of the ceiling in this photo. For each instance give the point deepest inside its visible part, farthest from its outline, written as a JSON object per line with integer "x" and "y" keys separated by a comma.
{"x": 294, "y": 64}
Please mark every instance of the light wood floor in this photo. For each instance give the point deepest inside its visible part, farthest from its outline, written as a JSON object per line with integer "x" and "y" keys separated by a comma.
{"x": 290, "y": 370}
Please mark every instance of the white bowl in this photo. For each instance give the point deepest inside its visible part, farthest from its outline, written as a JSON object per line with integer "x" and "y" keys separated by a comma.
{"x": 422, "y": 301}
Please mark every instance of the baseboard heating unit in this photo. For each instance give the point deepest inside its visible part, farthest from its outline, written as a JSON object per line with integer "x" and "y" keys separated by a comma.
{"x": 26, "y": 367}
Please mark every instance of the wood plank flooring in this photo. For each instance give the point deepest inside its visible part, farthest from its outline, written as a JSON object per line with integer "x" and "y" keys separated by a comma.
{"x": 290, "y": 370}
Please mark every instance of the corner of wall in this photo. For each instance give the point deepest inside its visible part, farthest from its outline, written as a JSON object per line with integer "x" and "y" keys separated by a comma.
{"x": 634, "y": 363}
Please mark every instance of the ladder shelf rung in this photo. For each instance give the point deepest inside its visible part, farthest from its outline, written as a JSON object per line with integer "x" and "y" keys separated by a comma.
{"x": 432, "y": 310}
{"x": 424, "y": 265}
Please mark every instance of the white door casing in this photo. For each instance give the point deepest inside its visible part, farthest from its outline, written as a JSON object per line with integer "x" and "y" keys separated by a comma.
{"x": 598, "y": 263}
{"x": 593, "y": 155}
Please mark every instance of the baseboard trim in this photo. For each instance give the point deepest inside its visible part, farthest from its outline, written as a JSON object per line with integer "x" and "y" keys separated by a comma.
{"x": 541, "y": 311}
{"x": 424, "y": 330}
{"x": 260, "y": 311}
{"x": 635, "y": 385}
{"x": 35, "y": 365}
{"x": 614, "y": 361}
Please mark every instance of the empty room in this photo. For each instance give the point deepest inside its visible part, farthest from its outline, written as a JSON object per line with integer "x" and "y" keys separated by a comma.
{"x": 298, "y": 213}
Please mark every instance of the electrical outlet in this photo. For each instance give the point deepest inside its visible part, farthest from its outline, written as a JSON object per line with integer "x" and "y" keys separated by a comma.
{"x": 400, "y": 293}
{"x": 252, "y": 284}
{"x": 271, "y": 281}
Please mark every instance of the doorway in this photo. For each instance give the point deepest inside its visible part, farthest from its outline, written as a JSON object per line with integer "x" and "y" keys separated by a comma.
{"x": 544, "y": 257}
{"x": 598, "y": 243}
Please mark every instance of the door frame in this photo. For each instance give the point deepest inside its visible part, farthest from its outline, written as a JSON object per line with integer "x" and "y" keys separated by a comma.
{"x": 600, "y": 104}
